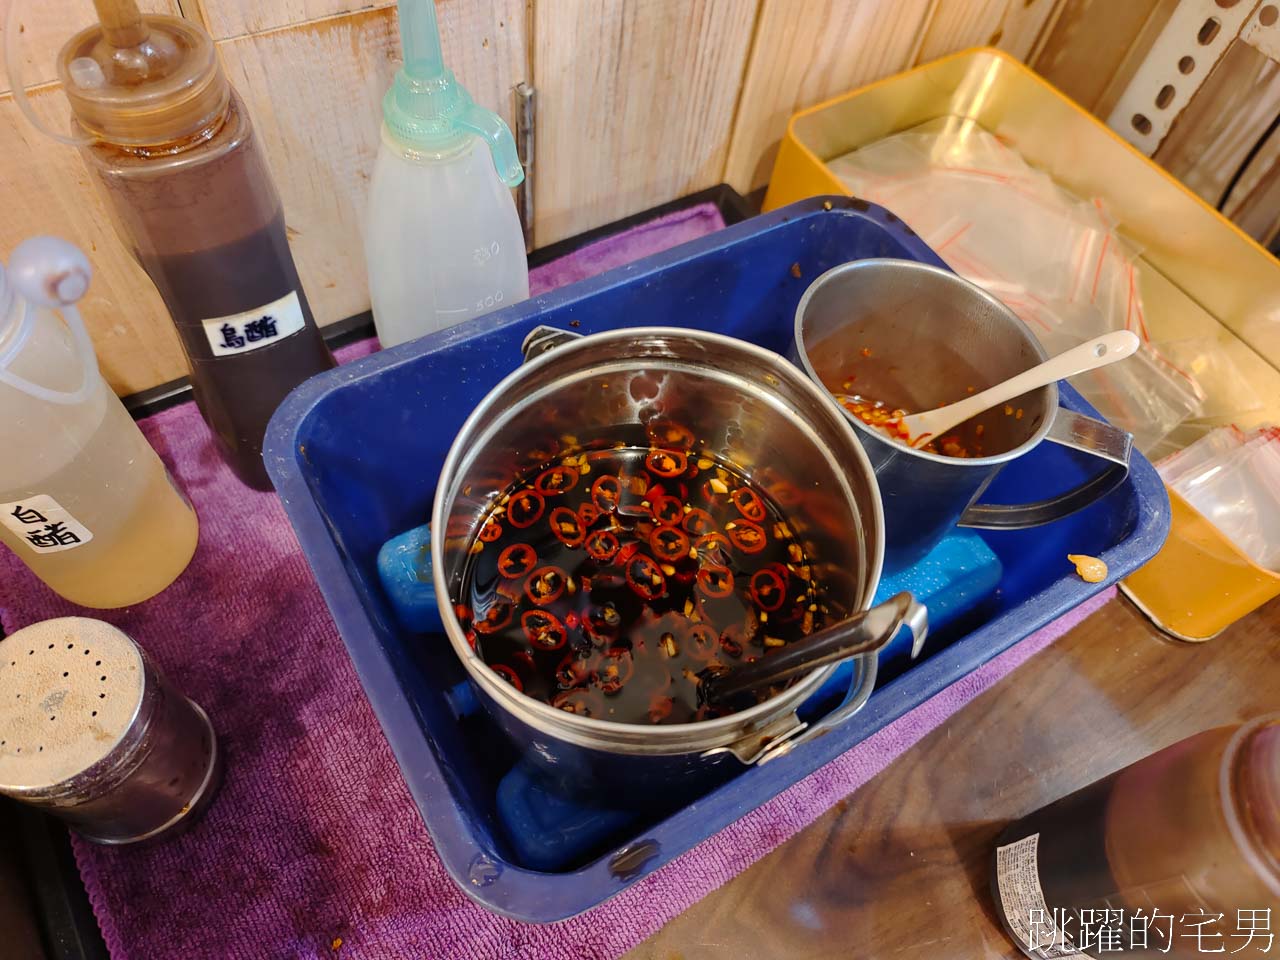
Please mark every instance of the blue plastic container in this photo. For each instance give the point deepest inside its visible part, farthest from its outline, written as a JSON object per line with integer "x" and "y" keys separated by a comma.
{"x": 355, "y": 454}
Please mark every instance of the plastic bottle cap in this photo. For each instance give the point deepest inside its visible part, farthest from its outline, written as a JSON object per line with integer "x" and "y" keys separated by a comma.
{"x": 138, "y": 81}
{"x": 427, "y": 108}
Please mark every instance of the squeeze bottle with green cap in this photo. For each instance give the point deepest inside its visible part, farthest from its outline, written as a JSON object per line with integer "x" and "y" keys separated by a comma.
{"x": 443, "y": 238}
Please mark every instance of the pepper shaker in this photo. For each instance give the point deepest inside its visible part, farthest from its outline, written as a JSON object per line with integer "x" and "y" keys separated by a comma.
{"x": 90, "y": 732}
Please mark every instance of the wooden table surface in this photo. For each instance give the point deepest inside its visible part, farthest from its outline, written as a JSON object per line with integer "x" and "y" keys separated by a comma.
{"x": 899, "y": 868}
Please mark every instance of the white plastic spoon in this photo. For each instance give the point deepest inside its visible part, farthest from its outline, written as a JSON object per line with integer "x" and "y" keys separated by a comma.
{"x": 923, "y": 427}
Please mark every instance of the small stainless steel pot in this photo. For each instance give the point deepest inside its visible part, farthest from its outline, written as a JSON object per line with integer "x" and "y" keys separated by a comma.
{"x": 915, "y": 337}
{"x": 751, "y": 407}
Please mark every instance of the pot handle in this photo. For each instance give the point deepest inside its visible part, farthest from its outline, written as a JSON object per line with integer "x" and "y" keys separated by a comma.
{"x": 541, "y": 339}
{"x": 789, "y": 732}
{"x": 1080, "y": 432}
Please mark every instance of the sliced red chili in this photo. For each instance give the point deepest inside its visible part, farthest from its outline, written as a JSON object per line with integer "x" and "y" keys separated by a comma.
{"x": 584, "y": 703}
{"x": 666, "y": 510}
{"x": 572, "y": 672}
{"x": 715, "y": 580}
{"x": 645, "y": 578}
{"x": 626, "y": 553}
{"x": 616, "y": 670}
{"x": 512, "y": 589}
{"x": 491, "y": 531}
{"x": 507, "y": 674}
{"x": 524, "y": 508}
{"x": 606, "y": 492}
{"x": 495, "y": 618}
{"x": 671, "y": 434}
{"x": 749, "y": 504}
{"x": 557, "y": 479}
{"x": 601, "y": 545}
{"x": 659, "y": 708}
{"x": 768, "y": 590}
{"x": 545, "y": 585}
{"x": 666, "y": 463}
{"x": 747, "y": 537}
{"x": 602, "y": 623}
{"x": 471, "y": 639}
{"x": 544, "y": 629}
{"x": 731, "y": 641}
{"x": 669, "y": 543}
{"x": 785, "y": 494}
{"x": 698, "y": 522}
{"x": 712, "y": 545}
{"x": 634, "y": 486}
{"x": 516, "y": 560}
{"x": 567, "y": 527}
{"x": 588, "y": 513}
{"x": 702, "y": 641}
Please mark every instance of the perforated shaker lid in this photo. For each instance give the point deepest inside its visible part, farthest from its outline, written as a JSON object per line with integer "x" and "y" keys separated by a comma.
{"x": 69, "y": 690}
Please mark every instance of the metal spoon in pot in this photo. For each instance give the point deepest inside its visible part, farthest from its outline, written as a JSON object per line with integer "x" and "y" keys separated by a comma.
{"x": 919, "y": 428}
{"x": 864, "y": 632}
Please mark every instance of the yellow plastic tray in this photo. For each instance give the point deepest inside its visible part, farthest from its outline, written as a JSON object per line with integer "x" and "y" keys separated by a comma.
{"x": 1199, "y": 275}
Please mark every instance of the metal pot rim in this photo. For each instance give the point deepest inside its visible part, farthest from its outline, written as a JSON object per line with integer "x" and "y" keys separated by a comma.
{"x": 588, "y": 731}
{"x": 1051, "y": 401}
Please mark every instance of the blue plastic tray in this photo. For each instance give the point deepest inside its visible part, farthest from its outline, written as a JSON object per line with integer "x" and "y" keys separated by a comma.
{"x": 355, "y": 454}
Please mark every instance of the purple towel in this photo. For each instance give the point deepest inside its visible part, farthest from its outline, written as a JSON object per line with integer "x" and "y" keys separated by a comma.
{"x": 314, "y": 848}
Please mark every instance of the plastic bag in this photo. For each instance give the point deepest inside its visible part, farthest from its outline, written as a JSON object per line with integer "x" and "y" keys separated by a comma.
{"x": 1055, "y": 259}
{"x": 1233, "y": 479}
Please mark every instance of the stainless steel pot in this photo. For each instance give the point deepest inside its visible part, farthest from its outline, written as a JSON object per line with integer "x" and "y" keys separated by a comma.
{"x": 750, "y": 406}
{"x": 919, "y": 337}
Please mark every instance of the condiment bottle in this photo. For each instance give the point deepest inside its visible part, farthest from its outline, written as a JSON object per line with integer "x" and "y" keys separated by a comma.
{"x": 84, "y": 500}
{"x": 91, "y": 732}
{"x": 172, "y": 146}
{"x": 1177, "y": 855}
{"x": 443, "y": 241}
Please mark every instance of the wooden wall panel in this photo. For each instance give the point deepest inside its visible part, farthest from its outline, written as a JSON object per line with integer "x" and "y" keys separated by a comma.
{"x": 1012, "y": 25}
{"x": 44, "y": 25}
{"x": 1216, "y": 130}
{"x": 1096, "y": 45}
{"x": 635, "y": 104}
{"x": 234, "y": 18}
{"x": 807, "y": 51}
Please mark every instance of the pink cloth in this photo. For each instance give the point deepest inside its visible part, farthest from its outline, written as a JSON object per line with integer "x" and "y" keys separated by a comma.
{"x": 314, "y": 837}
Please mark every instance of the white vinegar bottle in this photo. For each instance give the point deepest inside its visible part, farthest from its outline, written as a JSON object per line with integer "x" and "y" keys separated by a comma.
{"x": 84, "y": 500}
{"x": 443, "y": 240}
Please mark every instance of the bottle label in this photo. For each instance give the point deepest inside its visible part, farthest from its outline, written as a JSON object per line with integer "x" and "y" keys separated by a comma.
{"x": 42, "y": 523}
{"x": 260, "y": 327}
{"x": 1038, "y": 931}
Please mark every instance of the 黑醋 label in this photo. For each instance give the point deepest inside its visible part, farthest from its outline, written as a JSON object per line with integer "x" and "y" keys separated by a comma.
{"x": 43, "y": 524}
{"x": 252, "y": 329}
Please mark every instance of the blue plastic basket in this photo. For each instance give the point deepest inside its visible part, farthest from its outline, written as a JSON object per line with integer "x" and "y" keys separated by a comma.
{"x": 355, "y": 454}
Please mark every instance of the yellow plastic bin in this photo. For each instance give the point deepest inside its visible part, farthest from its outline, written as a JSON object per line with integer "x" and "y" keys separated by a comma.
{"x": 1198, "y": 274}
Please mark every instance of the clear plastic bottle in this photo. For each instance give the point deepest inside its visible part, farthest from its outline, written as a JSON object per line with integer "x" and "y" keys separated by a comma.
{"x": 443, "y": 240}
{"x": 172, "y": 147}
{"x": 84, "y": 500}
{"x": 1176, "y": 855}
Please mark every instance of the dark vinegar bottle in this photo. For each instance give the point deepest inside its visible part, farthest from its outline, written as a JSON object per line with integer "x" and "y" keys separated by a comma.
{"x": 192, "y": 197}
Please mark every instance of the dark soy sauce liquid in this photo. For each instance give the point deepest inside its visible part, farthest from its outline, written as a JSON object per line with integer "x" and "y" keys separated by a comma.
{"x": 238, "y": 393}
{"x": 606, "y": 582}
